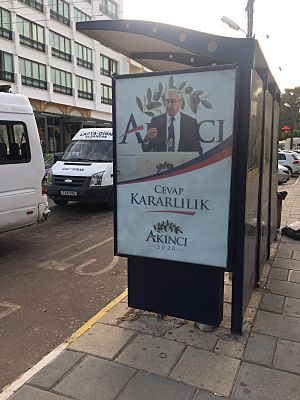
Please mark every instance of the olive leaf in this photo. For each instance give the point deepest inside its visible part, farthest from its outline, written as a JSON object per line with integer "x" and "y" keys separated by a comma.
{"x": 160, "y": 88}
{"x": 156, "y": 96}
{"x": 188, "y": 89}
{"x": 149, "y": 114}
{"x": 182, "y": 103}
{"x": 153, "y": 104}
{"x": 206, "y": 104}
{"x": 171, "y": 82}
{"x": 149, "y": 94}
{"x": 193, "y": 106}
{"x": 139, "y": 103}
{"x": 198, "y": 92}
{"x": 182, "y": 85}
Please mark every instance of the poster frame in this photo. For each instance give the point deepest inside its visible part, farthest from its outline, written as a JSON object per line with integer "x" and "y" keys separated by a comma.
{"x": 230, "y": 232}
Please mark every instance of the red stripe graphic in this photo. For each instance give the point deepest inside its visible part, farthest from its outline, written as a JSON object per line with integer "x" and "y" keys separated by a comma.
{"x": 212, "y": 160}
{"x": 174, "y": 212}
{"x": 133, "y": 130}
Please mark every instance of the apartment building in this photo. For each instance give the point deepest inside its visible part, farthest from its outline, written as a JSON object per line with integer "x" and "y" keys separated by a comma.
{"x": 65, "y": 74}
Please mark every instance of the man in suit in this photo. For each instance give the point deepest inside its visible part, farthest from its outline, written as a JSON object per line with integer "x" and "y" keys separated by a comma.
{"x": 173, "y": 130}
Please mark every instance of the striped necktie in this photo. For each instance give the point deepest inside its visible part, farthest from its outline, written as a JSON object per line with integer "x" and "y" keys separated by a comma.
{"x": 171, "y": 136}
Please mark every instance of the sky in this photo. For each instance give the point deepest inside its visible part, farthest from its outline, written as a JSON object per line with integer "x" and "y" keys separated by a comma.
{"x": 276, "y": 26}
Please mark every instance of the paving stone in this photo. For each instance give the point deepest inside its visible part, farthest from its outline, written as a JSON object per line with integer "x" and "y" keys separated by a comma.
{"x": 103, "y": 340}
{"x": 296, "y": 255}
{"x": 287, "y": 356}
{"x": 292, "y": 307}
{"x": 50, "y": 374}
{"x": 282, "y": 326}
{"x": 265, "y": 271}
{"x": 227, "y": 293}
{"x": 206, "y": 370}
{"x": 260, "y": 383}
{"x": 284, "y": 253}
{"x": 191, "y": 335}
{"x": 294, "y": 276}
{"x": 201, "y": 395}
{"x": 279, "y": 274}
{"x": 31, "y": 393}
{"x": 272, "y": 302}
{"x": 230, "y": 347}
{"x": 152, "y": 354}
{"x": 114, "y": 316}
{"x": 286, "y": 263}
{"x": 284, "y": 288}
{"x": 93, "y": 376}
{"x": 255, "y": 298}
{"x": 147, "y": 386}
{"x": 148, "y": 324}
{"x": 260, "y": 349}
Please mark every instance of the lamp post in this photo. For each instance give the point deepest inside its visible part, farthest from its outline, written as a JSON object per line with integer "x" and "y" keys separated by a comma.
{"x": 295, "y": 125}
{"x": 250, "y": 10}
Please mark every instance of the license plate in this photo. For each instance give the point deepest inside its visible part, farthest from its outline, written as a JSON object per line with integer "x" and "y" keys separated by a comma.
{"x": 68, "y": 193}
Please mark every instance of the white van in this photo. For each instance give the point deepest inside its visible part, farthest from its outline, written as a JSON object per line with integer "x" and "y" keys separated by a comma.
{"x": 23, "y": 201}
{"x": 85, "y": 171}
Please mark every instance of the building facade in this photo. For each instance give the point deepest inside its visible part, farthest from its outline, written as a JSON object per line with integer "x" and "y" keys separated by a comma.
{"x": 65, "y": 74}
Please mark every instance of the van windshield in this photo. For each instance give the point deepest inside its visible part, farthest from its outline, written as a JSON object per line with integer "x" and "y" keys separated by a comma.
{"x": 89, "y": 150}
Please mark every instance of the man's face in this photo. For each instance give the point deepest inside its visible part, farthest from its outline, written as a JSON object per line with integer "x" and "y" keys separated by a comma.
{"x": 173, "y": 101}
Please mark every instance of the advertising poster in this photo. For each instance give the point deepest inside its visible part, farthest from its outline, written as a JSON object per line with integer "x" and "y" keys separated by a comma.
{"x": 173, "y": 154}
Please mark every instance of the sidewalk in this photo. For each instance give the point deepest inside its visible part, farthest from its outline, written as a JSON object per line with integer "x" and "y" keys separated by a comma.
{"x": 130, "y": 354}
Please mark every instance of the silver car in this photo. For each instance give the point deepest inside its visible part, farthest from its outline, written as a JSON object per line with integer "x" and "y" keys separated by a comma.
{"x": 283, "y": 174}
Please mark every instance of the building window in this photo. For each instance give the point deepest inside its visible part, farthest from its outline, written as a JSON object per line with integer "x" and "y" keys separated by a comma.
{"x": 60, "y": 46}
{"x": 33, "y": 73}
{"x": 106, "y": 94}
{"x": 37, "y": 4}
{"x": 62, "y": 81}
{"x": 84, "y": 88}
{"x": 31, "y": 34}
{"x": 6, "y": 67}
{"x": 108, "y": 66}
{"x": 84, "y": 56}
{"x": 80, "y": 16}
{"x": 110, "y": 8}
{"x": 14, "y": 144}
{"x": 60, "y": 10}
{"x": 5, "y": 24}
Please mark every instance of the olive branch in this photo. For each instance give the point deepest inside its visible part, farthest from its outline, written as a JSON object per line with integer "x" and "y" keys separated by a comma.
{"x": 167, "y": 226}
{"x": 154, "y": 99}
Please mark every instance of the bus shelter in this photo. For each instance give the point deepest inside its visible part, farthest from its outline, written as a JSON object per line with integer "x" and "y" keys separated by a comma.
{"x": 228, "y": 89}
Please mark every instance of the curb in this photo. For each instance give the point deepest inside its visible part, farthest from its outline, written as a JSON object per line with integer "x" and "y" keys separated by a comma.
{"x": 14, "y": 386}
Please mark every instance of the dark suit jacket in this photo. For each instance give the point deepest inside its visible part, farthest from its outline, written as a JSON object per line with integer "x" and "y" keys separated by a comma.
{"x": 189, "y": 134}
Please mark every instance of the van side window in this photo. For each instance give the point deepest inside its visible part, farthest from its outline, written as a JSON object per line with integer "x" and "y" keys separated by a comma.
{"x": 14, "y": 144}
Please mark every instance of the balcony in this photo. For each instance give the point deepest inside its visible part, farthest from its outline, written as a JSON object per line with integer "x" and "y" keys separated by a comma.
{"x": 85, "y": 95}
{"x": 37, "y": 83}
{"x": 62, "y": 89}
{"x": 34, "y": 4}
{"x": 60, "y": 18}
{"x": 5, "y": 33}
{"x": 61, "y": 54}
{"x": 26, "y": 41}
{"x": 7, "y": 76}
{"x": 84, "y": 63}
{"x": 106, "y": 100}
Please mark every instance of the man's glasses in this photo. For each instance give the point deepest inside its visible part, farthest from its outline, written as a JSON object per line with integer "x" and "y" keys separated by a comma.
{"x": 172, "y": 101}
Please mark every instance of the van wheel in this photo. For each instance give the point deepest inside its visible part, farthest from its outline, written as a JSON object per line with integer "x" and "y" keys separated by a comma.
{"x": 61, "y": 202}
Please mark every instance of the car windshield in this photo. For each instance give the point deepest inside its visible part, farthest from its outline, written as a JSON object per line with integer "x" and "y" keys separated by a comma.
{"x": 89, "y": 150}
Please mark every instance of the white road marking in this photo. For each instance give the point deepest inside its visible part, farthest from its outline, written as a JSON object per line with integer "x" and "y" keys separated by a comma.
{"x": 79, "y": 269}
{"x": 88, "y": 249}
{"x": 10, "y": 308}
{"x": 52, "y": 253}
{"x": 63, "y": 264}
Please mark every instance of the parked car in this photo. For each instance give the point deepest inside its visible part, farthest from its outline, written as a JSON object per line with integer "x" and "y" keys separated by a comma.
{"x": 283, "y": 174}
{"x": 289, "y": 160}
